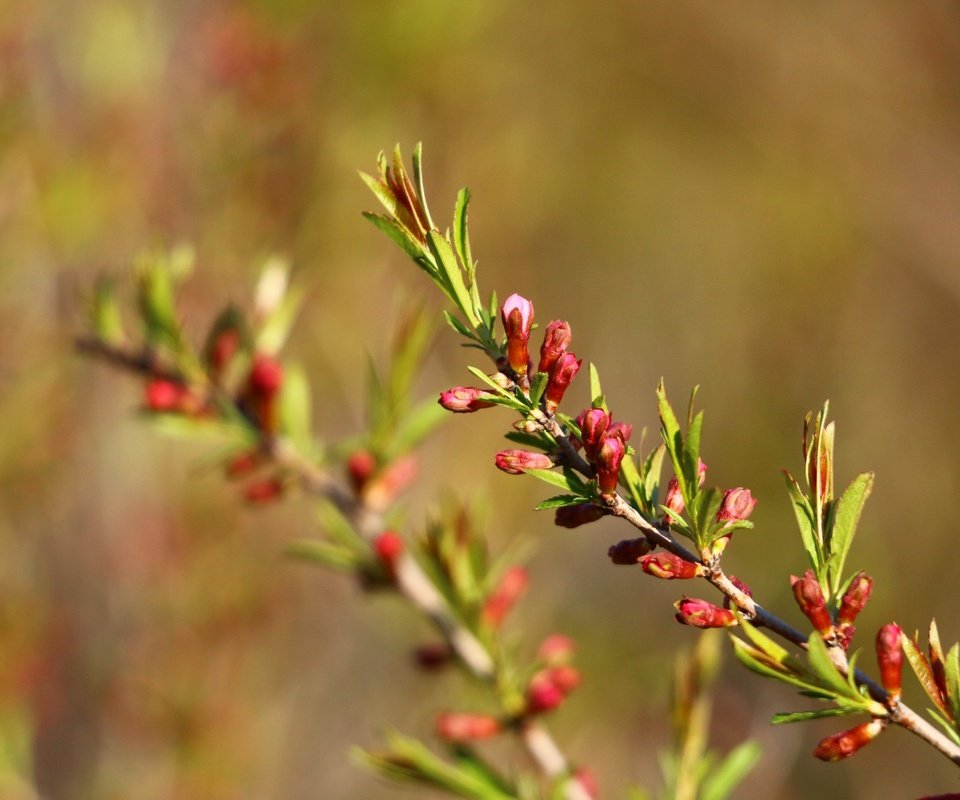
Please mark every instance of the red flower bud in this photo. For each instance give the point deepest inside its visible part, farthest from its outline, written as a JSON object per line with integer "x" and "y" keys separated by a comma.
{"x": 433, "y": 655}
{"x": 622, "y": 430}
{"x": 517, "y": 315}
{"x": 464, "y": 399}
{"x": 855, "y": 598}
{"x": 809, "y": 596}
{"x": 674, "y": 498}
{"x": 556, "y": 340}
{"x": 505, "y": 595}
{"x": 556, "y": 649}
{"x": 263, "y": 491}
{"x": 737, "y": 504}
{"x": 463, "y": 727}
{"x": 890, "y": 658}
{"x": 846, "y": 743}
{"x": 629, "y": 551}
{"x": 701, "y": 472}
{"x": 549, "y": 687}
{"x": 609, "y": 458}
{"x": 388, "y": 547}
{"x": 361, "y": 465}
{"x": 702, "y": 614}
{"x": 163, "y": 395}
{"x": 580, "y": 514}
{"x": 593, "y": 424}
{"x": 670, "y": 567}
{"x": 564, "y": 371}
{"x": 516, "y": 462}
{"x": 565, "y": 677}
{"x": 266, "y": 376}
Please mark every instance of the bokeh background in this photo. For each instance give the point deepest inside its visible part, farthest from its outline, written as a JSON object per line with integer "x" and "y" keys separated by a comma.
{"x": 759, "y": 198}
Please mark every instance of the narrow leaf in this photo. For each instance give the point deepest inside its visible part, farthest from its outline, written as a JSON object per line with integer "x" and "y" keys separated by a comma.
{"x": 952, "y": 665}
{"x": 406, "y": 242}
{"x": 561, "y": 500}
{"x": 418, "y": 179}
{"x": 721, "y": 782}
{"x": 597, "y": 400}
{"x": 820, "y": 713}
{"x": 845, "y": 519}
{"x": 803, "y": 511}
{"x": 921, "y": 668}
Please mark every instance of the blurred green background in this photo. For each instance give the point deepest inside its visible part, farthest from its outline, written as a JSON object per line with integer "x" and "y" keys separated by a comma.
{"x": 760, "y": 198}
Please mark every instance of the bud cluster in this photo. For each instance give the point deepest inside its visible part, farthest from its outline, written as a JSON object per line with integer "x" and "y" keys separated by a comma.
{"x": 838, "y": 627}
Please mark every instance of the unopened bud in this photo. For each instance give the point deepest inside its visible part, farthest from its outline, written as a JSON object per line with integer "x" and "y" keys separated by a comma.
{"x": 556, "y": 649}
{"x": 516, "y": 462}
{"x": 593, "y": 424}
{"x": 846, "y": 743}
{"x": 609, "y": 458}
{"x": 388, "y": 547}
{"x": 564, "y": 371}
{"x": 670, "y": 567}
{"x": 222, "y": 349}
{"x": 622, "y": 430}
{"x": 890, "y": 658}
{"x": 556, "y": 340}
{"x": 737, "y": 505}
{"x": 674, "y": 498}
{"x": 809, "y": 596}
{"x": 629, "y": 551}
{"x": 464, "y": 727}
{"x": 701, "y": 472}
{"x": 464, "y": 399}
{"x": 361, "y": 465}
{"x": 162, "y": 395}
{"x": 266, "y": 376}
{"x": 577, "y": 515}
{"x": 702, "y": 614}
{"x": 505, "y": 596}
{"x": 549, "y": 688}
{"x": 855, "y": 598}
{"x": 263, "y": 491}
{"x": 517, "y": 315}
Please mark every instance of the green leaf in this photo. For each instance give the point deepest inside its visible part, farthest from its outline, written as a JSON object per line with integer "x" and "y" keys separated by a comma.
{"x": 538, "y": 385}
{"x": 566, "y": 479}
{"x": 952, "y": 670}
{"x": 672, "y": 438}
{"x": 824, "y": 669}
{"x": 691, "y": 450}
{"x": 846, "y": 516}
{"x": 382, "y": 192}
{"x": 597, "y": 400}
{"x": 652, "y": 470}
{"x": 406, "y": 242}
{"x": 803, "y": 511}
{"x": 921, "y": 668}
{"x": 764, "y": 643}
{"x": 461, "y": 235}
{"x": 451, "y": 276}
{"x": 330, "y": 555}
{"x": 820, "y": 713}
{"x": 418, "y": 180}
{"x": 561, "y": 500}
{"x": 719, "y": 784}
{"x": 458, "y": 326}
{"x": 630, "y": 475}
{"x": 198, "y": 429}
{"x": 946, "y": 724}
{"x": 105, "y": 312}
{"x": 296, "y": 408}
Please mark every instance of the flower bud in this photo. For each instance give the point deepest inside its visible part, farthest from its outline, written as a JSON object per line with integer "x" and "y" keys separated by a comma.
{"x": 361, "y": 465}
{"x": 549, "y": 687}
{"x": 674, "y": 498}
{"x": 516, "y": 462}
{"x": 629, "y": 551}
{"x": 505, "y": 595}
{"x": 464, "y": 399}
{"x": 517, "y": 315}
{"x": 622, "y": 430}
{"x": 556, "y": 649}
{"x": 556, "y": 340}
{"x": 609, "y": 458}
{"x": 702, "y": 614}
{"x": 266, "y": 376}
{"x": 464, "y": 727}
{"x": 388, "y": 547}
{"x": 701, "y": 472}
{"x": 162, "y": 395}
{"x": 670, "y": 567}
{"x": 593, "y": 424}
{"x": 737, "y": 505}
{"x": 855, "y": 598}
{"x": 222, "y": 350}
{"x": 564, "y": 371}
{"x": 890, "y": 658}
{"x": 846, "y": 743}
{"x": 565, "y": 677}
{"x": 809, "y": 596}
{"x": 577, "y": 515}
{"x": 263, "y": 491}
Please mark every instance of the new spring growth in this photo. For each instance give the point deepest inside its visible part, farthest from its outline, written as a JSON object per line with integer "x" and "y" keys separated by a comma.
{"x": 516, "y": 462}
{"x": 556, "y": 340}
{"x": 809, "y": 596}
{"x": 576, "y": 515}
{"x": 670, "y": 567}
{"x": 464, "y": 727}
{"x": 674, "y": 497}
{"x": 846, "y": 743}
{"x": 737, "y": 505}
{"x": 593, "y": 424}
{"x": 702, "y": 614}
{"x": 612, "y": 451}
{"x": 549, "y": 688}
{"x": 464, "y": 399}
{"x": 505, "y": 595}
{"x": 561, "y": 376}
{"x": 517, "y": 315}
{"x": 890, "y": 659}
{"x": 852, "y": 603}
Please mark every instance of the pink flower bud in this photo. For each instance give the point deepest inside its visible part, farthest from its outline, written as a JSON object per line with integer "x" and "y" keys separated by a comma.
{"x": 564, "y": 371}
{"x": 505, "y": 595}
{"x": 565, "y": 677}
{"x": 609, "y": 458}
{"x": 556, "y": 649}
{"x": 263, "y": 491}
{"x": 737, "y": 505}
{"x": 361, "y": 465}
{"x": 556, "y": 340}
{"x": 162, "y": 395}
{"x": 701, "y": 472}
{"x": 629, "y": 551}
{"x": 809, "y": 596}
{"x": 464, "y": 399}
{"x": 701, "y": 614}
{"x": 517, "y": 315}
{"x": 674, "y": 498}
{"x": 266, "y": 376}
{"x": 388, "y": 547}
{"x": 622, "y": 430}
{"x": 549, "y": 687}
{"x": 463, "y": 727}
{"x": 890, "y": 658}
{"x": 516, "y": 462}
{"x": 593, "y": 424}
{"x": 580, "y": 514}
{"x": 670, "y": 567}
{"x": 846, "y": 743}
{"x": 855, "y": 598}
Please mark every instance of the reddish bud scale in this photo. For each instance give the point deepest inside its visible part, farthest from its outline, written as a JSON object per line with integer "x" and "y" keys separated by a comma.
{"x": 809, "y": 596}
{"x": 855, "y": 598}
{"x": 464, "y": 399}
{"x": 556, "y": 340}
{"x": 263, "y": 491}
{"x": 505, "y": 596}
{"x": 517, "y": 314}
{"x": 670, "y": 567}
{"x": 577, "y": 515}
{"x": 463, "y": 727}
{"x": 516, "y": 462}
{"x": 702, "y": 614}
{"x": 609, "y": 458}
{"x": 890, "y": 658}
{"x": 556, "y": 649}
{"x": 737, "y": 505}
{"x": 564, "y": 371}
{"x": 388, "y": 547}
{"x": 629, "y": 551}
{"x": 846, "y": 743}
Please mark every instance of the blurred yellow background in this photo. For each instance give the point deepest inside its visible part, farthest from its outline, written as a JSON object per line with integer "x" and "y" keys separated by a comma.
{"x": 761, "y": 198}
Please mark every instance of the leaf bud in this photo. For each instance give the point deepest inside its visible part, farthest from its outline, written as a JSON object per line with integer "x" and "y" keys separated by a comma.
{"x": 464, "y": 399}
{"x": 609, "y": 458}
{"x": 505, "y": 595}
{"x": 517, "y": 315}
{"x": 577, "y": 515}
{"x": 890, "y": 658}
{"x": 737, "y": 505}
{"x": 516, "y": 462}
{"x": 556, "y": 340}
{"x": 454, "y": 726}
{"x": 629, "y": 551}
{"x": 702, "y": 614}
{"x": 670, "y": 567}
{"x": 846, "y": 743}
{"x": 809, "y": 596}
{"x": 564, "y": 371}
